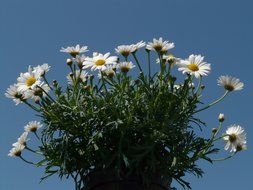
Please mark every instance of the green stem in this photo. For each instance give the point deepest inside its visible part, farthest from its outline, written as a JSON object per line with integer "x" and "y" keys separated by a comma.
{"x": 149, "y": 66}
{"x": 137, "y": 62}
{"x": 222, "y": 159}
{"x": 213, "y": 103}
{"x": 26, "y": 160}
{"x": 31, "y": 106}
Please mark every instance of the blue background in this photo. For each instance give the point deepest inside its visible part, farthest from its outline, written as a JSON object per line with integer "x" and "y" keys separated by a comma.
{"x": 33, "y": 31}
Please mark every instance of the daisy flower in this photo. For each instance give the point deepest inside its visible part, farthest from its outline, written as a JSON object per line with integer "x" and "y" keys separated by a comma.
{"x": 29, "y": 80}
{"x": 82, "y": 76}
{"x": 137, "y": 46}
{"x": 32, "y": 126}
{"x": 160, "y": 45}
{"x": 99, "y": 61}
{"x": 80, "y": 59}
{"x": 235, "y": 136}
{"x": 74, "y": 51}
{"x": 124, "y": 50}
{"x": 13, "y": 93}
{"x": 21, "y": 140}
{"x": 38, "y": 91}
{"x": 108, "y": 72}
{"x": 42, "y": 69}
{"x": 125, "y": 66}
{"x": 17, "y": 150}
{"x": 230, "y": 83}
{"x": 194, "y": 65}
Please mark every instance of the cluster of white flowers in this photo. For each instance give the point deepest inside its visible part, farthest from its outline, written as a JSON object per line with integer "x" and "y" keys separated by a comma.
{"x": 32, "y": 84}
{"x": 21, "y": 143}
{"x": 29, "y": 85}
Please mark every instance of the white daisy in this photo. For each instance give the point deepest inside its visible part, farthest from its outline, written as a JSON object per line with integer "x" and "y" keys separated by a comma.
{"x": 108, "y": 72}
{"x": 230, "y": 83}
{"x": 21, "y": 140}
{"x": 137, "y": 46}
{"x": 13, "y": 93}
{"x": 38, "y": 91}
{"x": 80, "y": 59}
{"x": 125, "y": 66}
{"x": 235, "y": 136}
{"x": 17, "y": 150}
{"x": 32, "y": 126}
{"x": 160, "y": 45}
{"x": 99, "y": 61}
{"x": 29, "y": 80}
{"x": 82, "y": 76}
{"x": 194, "y": 65}
{"x": 124, "y": 50}
{"x": 42, "y": 69}
{"x": 74, "y": 51}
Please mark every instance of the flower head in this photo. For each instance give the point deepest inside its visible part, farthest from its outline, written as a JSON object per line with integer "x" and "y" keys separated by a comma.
{"x": 74, "y": 51}
{"x": 235, "y": 138}
{"x": 13, "y": 93}
{"x": 16, "y": 150}
{"x": 230, "y": 83}
{"x": 21, "y": 140}
{"x": 194, "y": 65}
{"x": 42, "y": 69}
{"x": 125, "y": 66}
{"x": 110, "y": 72}
{"x": 137, "y": 46}
{"x": 160, "y": 45}
{"x": 81, "y": 76}
{"x": 124, "y": 50}
{"x": 32, "y": 126}
{"x": 29, "y": 80}
{"x": 99, "y": 61}
{"x": 38, "y": 91}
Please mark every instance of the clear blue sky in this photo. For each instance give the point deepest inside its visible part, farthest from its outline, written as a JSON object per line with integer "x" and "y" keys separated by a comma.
{"x": 33, "y": 31}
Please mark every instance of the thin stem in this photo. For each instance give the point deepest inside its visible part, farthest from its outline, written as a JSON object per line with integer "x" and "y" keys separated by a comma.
{"x": 26, "y": 161}
{"x": 137, "y": 62}
{"x": 35, "y": 133}
{"x": 44, "y": 77}
{"x": 149, "y": 66}
{"x": 31, "y": 106}
{"x": 226, "y": 158}
{"x": 213, "y": 103}
{"x": 46, "y": 94}
{"x": 31, "y": 150}
{"x": 199, "y": 85}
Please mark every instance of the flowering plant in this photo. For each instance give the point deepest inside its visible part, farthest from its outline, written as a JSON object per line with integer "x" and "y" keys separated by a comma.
{"x": 131, "y": 125}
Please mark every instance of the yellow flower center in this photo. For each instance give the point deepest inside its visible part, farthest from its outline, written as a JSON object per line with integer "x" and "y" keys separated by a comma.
{"x": 30, "y": 81}
{"x": 100, "y": 62}
{"x": 232, "y": 138}
{"x": 193, "y": 67}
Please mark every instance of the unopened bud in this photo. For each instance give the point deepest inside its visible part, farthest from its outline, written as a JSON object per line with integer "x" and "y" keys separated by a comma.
{"x": 221, "y": 117}
{"x": 69, "y": 62}
{"x": 202, "y": 87}
{"x": 55, "y": 83}
{"x": 87, "y": 87}
{"x": 214, "y": 130}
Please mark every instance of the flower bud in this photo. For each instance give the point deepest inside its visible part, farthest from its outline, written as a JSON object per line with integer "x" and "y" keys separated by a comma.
{"x": 202, "y": 87}
{"x": 221, "y": 117}
{"x": 55, "y": 83}
{"x": 69, "y": 62}
{"x": 214, "y": 130}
